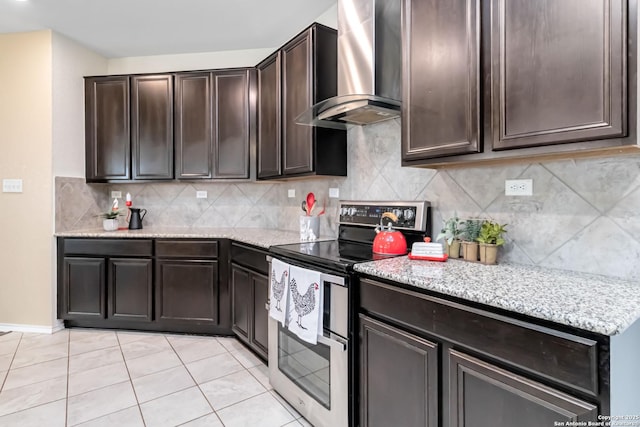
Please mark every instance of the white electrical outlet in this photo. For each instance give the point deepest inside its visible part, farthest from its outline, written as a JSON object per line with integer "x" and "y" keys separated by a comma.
{"x": 12, "y": 186}
{"x": 116, "y": 194}
{"x": 334, "y": 193}
{"x": 518, "y": 187}
{"x": 291, "y": 193}
{"x": 201, "y": 194}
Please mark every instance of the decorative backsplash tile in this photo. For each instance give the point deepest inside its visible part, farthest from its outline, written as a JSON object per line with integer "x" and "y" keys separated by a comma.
{"x": 582, "y": 215}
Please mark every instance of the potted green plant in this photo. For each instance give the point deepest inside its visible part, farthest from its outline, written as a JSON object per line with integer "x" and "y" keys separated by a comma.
{"x": 110, "y": 220}
{"x": 470, "y": 234}
{"x": 451, "y": 232}
{"x": 490, "y": 238}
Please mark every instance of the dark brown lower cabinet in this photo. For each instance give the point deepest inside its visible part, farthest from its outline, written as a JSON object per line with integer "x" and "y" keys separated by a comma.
{"x": 249, "y": 296}
{"x": 173, "y": 285}
{"x": 187, "y": 290}
{"x": 96, "y": 284}
{"x": 428, "y": 361}
{"x": 398, "y": 368}
{"x": 130, "y": 289}
{"x": 484, "y": 395}
{"x": 83, "y": 285}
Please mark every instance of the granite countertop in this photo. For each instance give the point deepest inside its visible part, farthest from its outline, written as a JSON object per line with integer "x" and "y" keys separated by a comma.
{"x": 260, "y": 237}
{"x": 593, "y": 303}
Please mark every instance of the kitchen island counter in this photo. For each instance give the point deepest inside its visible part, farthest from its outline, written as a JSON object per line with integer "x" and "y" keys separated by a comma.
{"x": 594, "y": 303}
{"x": 259, "y": 237}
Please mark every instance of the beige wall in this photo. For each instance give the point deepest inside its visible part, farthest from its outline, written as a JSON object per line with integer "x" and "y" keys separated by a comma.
{"x": 70, "y": 62}
{"x": 205, "y": 60}
{"x": 26, "y": 225}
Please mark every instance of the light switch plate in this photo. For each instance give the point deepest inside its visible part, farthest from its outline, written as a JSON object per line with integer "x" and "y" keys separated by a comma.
{"x": 334, "y": 193}
{"x": 116, "y": 194}
{"x": 201, "y": 194}
{"x": 291, "y": 193}
{"x": 12, "y": 186}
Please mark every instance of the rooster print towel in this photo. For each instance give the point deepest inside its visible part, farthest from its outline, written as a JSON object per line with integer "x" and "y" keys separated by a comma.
{"x": 279, "y": 291}
{"x": 305, "y": 304}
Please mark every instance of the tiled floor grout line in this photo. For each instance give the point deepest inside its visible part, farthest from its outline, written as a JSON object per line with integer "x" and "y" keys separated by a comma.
{"x": 66, "y": 397}
{"x": 239, "y": 354}
{"x": 194, "y": 381}
{"x": 126, "y": 366}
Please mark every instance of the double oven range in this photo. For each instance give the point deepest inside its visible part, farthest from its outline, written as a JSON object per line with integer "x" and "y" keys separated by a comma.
{"x": 319, "y": 380}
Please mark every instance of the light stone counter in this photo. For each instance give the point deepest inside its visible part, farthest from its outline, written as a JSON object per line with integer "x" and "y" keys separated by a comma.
{"x": 594, "y": 303}
{"x": 260, "y": 237}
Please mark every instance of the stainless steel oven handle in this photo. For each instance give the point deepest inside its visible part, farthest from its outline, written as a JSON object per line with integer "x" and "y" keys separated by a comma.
{"x": 338, "y": 280}
{"x": 333, "y": 343}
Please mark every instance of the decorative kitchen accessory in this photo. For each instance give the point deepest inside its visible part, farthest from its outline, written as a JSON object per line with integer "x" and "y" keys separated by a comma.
{"x": 451, "y": 232}
{"x": 311, "y": 201}
{"x": 309, "y": 228}
{"x": 110, "y": 218}
{"x": 389, "y": 241}
{"x": 279, "y": 291}
{"x": 428, "y": 251}
{"x": 305, "y": 307}
{"x": 137, "y": 215}
{"x": 490, "y": 238}
{"x": 469, "y": 236}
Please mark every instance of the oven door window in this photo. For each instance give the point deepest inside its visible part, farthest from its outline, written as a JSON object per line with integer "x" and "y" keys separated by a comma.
{"x": 307, "y": 365}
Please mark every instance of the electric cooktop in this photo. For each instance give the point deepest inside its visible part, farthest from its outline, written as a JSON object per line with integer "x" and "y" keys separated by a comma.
{"x": 356, "y": 233}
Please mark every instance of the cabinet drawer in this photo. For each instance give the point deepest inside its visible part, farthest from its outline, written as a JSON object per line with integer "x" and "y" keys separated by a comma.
{"x": 187, "y": 248}
{"x": 563, "y": 358}
{"x": 249, "y": 257}
{"x": 108, "y": 247}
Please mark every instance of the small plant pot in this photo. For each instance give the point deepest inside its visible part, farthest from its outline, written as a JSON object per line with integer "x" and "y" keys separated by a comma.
{"x": 488, "y": 253}
{"x": 453, "y": 249}
{"x": 470, "y": 251}
{"x": 110, "y": 224}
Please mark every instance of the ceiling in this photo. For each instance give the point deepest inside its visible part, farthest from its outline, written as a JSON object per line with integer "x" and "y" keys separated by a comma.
{"x": 125, "y": 28}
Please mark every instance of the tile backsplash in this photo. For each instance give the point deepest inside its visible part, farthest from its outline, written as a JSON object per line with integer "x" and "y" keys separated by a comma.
{"x": 582, "y": 215}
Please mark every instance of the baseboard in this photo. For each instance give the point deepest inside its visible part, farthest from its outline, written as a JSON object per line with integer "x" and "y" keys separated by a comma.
{"x": 37, "y": 329}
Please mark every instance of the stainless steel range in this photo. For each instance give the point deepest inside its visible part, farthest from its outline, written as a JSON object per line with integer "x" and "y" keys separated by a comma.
{"x": 319, "y": 380}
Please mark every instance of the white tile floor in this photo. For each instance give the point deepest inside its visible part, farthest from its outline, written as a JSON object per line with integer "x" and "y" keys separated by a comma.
{"x": 83, "y": 377}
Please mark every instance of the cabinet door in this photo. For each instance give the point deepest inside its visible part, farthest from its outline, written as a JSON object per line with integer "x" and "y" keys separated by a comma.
{"x": 152, "y": 126}
{"x": 107, "y": 136}
{"x": 83, "y": 288}
{"x": 399, "y": 377}
{"x": 297, "y": 95}
{"x": 241, "y": 301}
{"x": 187, "y": 290}
{"x": 441, "y": 85}
{"x": 193, "y": 143}
{"x": 231, "y": 124}
{"x": 260, "y": 339}
{"x": 269, "y": 120}
{"x": 130, "y": 289}
{"x": 483, "y": 395}
{"x": 559, "y": 71}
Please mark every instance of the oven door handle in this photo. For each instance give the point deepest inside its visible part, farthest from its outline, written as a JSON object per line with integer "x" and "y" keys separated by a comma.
{"x": 332, "y": 343}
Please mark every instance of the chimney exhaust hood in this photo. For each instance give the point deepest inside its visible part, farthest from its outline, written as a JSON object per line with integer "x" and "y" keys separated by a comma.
{"x": 369, "y": 67}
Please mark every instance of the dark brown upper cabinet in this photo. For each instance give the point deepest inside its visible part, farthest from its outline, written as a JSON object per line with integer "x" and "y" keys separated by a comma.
{"x": 559, "y": 71}
{"x": 300, "y": 74}
{"x": 214, "y": 123}
{"x": 129, "y": 128}
{"x": 152, "y": 126}
{"x": 107, "y": 135}
{"x": 269, "y": 142}
{"x": 441, "y": 89}
{"x": 504, "y": 80}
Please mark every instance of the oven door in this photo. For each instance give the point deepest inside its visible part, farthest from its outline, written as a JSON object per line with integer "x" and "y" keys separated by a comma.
{"x": 312, "y": 378}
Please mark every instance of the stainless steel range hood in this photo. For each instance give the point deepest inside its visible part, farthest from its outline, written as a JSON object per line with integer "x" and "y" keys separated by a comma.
{"x": 369, "y": 67}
